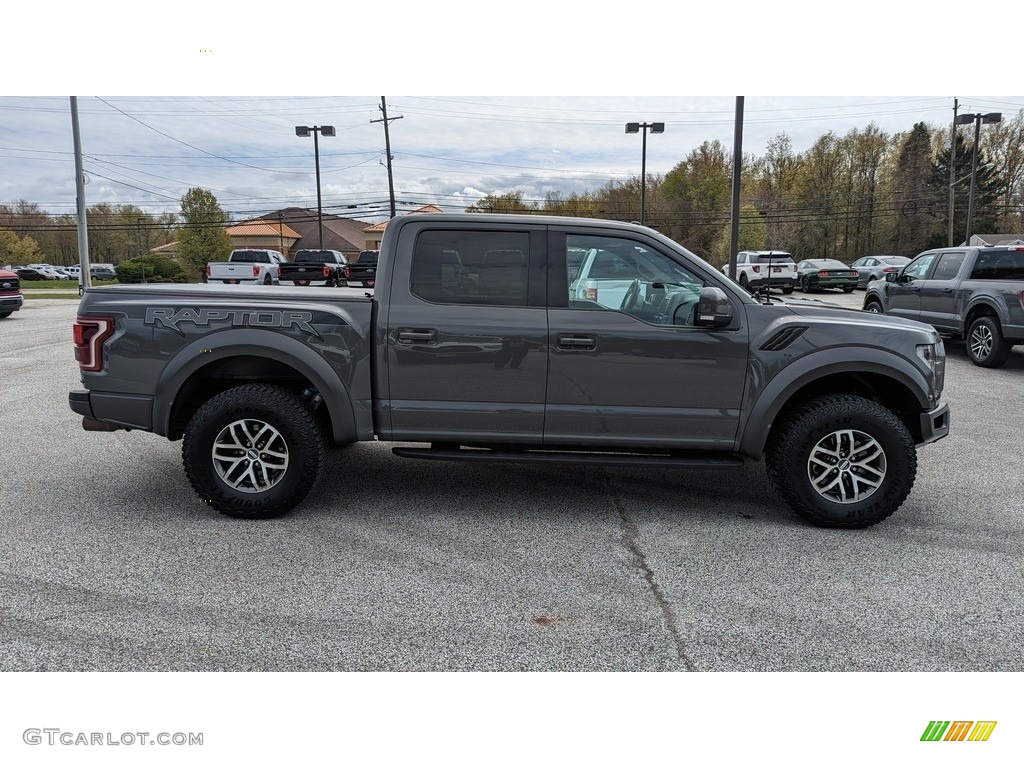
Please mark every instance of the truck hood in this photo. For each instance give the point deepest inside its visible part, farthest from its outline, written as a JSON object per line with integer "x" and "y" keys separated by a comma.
{"x": 849, "y": 316}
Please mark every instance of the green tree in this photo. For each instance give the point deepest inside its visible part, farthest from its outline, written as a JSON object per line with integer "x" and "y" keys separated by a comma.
{"x": 18, "y": 251}
{"x": 698, "y": 192}
{"x": 201, "y": 236}
{"x": 509, "y": 202}
{"x": 988, "y": 191}
{"x": 916, "y": 202}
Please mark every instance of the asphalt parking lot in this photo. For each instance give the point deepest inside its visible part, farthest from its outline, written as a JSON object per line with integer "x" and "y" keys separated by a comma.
{"x": 110, "y": 562}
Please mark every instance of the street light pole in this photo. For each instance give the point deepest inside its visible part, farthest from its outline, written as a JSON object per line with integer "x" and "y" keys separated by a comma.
{"x": 977, "y": 118}
{"x": 316, "y": 130}
{"x": 636, "y": 128}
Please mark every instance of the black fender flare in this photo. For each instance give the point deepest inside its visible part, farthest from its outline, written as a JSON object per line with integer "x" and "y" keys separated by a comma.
{"x": 818, "y": 365}
{"x": 253, "y": 342}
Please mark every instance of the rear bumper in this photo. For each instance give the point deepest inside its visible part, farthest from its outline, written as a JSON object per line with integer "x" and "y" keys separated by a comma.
{"x": 934, "y": 424}
{"x": 782, "y": 281}
{"x": 126, "y": 411}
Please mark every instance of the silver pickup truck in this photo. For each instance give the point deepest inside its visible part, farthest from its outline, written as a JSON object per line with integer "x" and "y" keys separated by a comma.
{"x": 972, "y": 293}
{"x": 473, "y": 347}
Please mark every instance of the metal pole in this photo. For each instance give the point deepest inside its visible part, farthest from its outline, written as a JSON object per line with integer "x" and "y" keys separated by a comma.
{"x": 643, "y": 171}
{"x": 387, "y": 148}
{"x": 319, "y": 210}
{"x": 952, "y": 169}
{"x": 737, "y": 160}
{"x": 83, "y": 232}
{"x": 974, "y": 173}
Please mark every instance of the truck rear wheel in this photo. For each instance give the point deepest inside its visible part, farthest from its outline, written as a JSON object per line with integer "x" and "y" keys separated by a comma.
{"x": 842, "y": 461}
{"x": 253, "y": 451}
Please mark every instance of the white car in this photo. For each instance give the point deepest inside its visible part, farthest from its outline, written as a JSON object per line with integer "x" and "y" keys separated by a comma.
{"x": 752, "y": 270}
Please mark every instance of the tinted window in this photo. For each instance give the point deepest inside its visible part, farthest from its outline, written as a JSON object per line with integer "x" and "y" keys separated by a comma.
{"x": 948, "y": 266}
{"x": 453, "y": 267}
{"x": 307, "y": 255}
{"x": 250, "y": 257}
{"x": 775, "y": 258}
{"x": 999, "y": 265}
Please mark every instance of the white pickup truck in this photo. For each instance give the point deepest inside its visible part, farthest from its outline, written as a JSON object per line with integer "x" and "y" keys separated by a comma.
{"x": 247, "y": 265}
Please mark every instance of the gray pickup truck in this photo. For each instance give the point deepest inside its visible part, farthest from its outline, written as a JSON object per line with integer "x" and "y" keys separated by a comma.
{"x": 973, "y": 293}
{"x": 473, "y": 348}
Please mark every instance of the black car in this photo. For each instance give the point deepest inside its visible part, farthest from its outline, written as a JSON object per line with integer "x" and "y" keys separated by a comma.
{"x": 28, "y": 273}
{"x": 815, "y": 274}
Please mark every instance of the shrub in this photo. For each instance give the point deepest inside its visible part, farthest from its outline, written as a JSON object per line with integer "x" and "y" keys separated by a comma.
{"x": 156, "y": 267}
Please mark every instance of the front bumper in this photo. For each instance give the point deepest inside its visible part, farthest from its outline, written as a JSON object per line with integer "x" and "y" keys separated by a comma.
{"x": 11, "y": 302}
{"x": 934, "y": 424}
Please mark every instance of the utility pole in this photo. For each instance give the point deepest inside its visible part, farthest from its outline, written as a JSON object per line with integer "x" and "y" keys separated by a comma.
{"x": 952, "y": 169}
{"x": 85, "y": 279}
{"x": 387, "y": 148}
{"x": 737, "y": 158}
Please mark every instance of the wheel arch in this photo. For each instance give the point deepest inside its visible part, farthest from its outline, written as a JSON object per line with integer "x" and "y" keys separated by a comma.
{"x": 219, "y": 361}
{"x": 877, "y": 375}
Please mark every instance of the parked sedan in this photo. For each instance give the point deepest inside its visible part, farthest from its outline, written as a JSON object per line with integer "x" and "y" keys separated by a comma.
{"x": 816, "y": 274}
{"x": 33, "y": 273}
{"x": 876, "y": 267}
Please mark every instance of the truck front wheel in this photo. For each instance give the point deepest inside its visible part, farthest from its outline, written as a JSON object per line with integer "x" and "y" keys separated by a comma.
{"x": 985, "y": 343}
{"x": 253, "y": 451}
{"x": 842, "y": 461}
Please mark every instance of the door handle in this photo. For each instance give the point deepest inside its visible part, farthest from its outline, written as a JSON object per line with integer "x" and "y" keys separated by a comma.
{"x": 947, "y": 290}
{"x": 417, "y": 336}
{"x": 576, "y": 342}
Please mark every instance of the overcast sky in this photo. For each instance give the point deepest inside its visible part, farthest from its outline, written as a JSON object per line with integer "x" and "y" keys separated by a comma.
{"x": 144, "y": 148}
{"x": 448, "y": 150}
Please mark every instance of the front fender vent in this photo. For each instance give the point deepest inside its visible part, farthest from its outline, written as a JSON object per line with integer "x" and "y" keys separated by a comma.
{"x": 784, "y": 338}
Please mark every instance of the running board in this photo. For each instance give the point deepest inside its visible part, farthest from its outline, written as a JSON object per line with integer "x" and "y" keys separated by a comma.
{"x": 571, "y": 457}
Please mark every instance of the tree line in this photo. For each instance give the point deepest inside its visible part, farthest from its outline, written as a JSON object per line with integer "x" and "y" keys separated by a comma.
{"x": 867, "y": 192}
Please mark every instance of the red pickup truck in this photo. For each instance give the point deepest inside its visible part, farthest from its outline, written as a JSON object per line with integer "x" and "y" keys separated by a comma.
{"x": 10, "y": 293}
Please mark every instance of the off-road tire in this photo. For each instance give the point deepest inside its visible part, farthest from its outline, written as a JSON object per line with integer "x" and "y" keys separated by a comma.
{"x": 5, "y": 314}
{"x": 788, "y": 290}
{"x": 268, "y": 280}
{"x": 299, "y": 438}
{"x": 799, "y": 443}
{"x": 986, "y": 346}
{"x": 847, "y": 290}
{"x": 873, "y": 307}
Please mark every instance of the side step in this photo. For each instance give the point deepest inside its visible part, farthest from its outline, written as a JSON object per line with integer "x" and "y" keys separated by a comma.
{"x": 703, "y": 461}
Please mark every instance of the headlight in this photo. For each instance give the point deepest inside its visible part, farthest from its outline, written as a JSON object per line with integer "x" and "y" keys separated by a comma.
{"x": 934, "y": 356}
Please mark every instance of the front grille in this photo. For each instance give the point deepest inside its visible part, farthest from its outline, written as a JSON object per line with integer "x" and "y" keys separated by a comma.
{"x": 9, "y": 284}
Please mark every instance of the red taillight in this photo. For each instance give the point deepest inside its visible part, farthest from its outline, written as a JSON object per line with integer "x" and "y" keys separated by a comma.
{"x": 327, "y": 272}
{"x": 756, "y": 268}
{"x": 590, "y": 294}
{"x": 891, "y": 269}
{"x": 823, "y": 273}
{"x": 347, "y": 273}
{"x": 255, "y": 270}
{"x": 89, "y": 333}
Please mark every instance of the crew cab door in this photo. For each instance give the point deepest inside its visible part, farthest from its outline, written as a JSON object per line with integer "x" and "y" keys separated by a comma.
{"x": 939, "y": 302}
{"x": 903, "y": 295}
{"x": 630, "y": 367}
{"x": 466, "y": 334}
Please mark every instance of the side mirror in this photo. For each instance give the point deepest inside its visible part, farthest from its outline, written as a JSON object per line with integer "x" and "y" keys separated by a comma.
{"x": 713, "y": 308}
{"x": 890, "y": 277}
{"x": 905, "y": 278}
